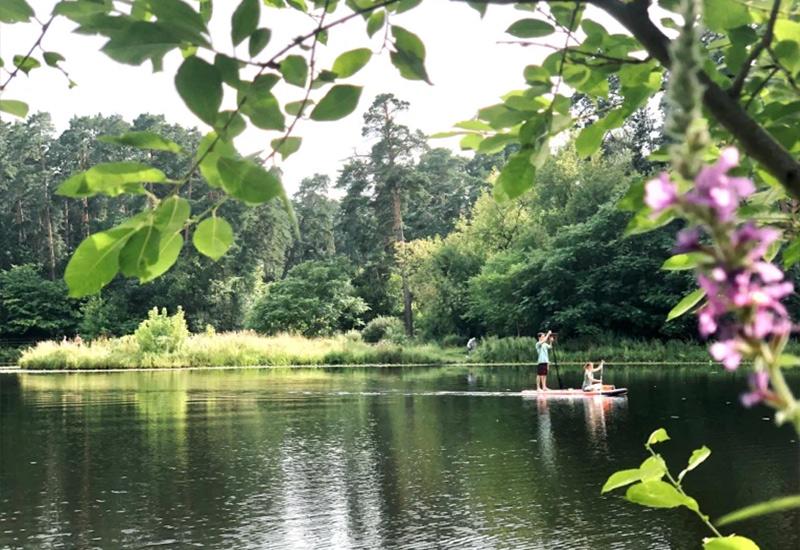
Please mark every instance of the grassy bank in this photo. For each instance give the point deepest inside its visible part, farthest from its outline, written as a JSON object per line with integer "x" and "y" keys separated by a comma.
{"x": 249, "y": 349}
{"x": 233, "y": 349}
{"x": 522, "y": 350}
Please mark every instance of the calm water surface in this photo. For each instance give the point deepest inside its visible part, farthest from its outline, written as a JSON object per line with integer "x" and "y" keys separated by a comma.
{"x": 372, "y": 458}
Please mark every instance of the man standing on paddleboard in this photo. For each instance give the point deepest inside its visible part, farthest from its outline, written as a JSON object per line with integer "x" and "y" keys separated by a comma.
{"x": 543, "y": 347}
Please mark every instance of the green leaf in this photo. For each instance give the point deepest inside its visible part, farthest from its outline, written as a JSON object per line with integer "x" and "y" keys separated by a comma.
{"x": 143, "y": 140}
{"x": 258, "y": 41}
{"x": 228, "y": 69}
{"x": 295, "y": 70}
{"x": 681, "y": 262}
{"x": 169, "y": 248}
{"x": 480, "y": 7}
{"x": 206, "y": 10}
{"x": 244, "y": 20}
{"x": 200, "y": 86}
{"x": 213, "y": 237}
{"x": 530, "y": 28}
{"x": 496, "y": 143}
{"x": 295, "y": 108}
{"x": 349, "y": 63}
{"x": 261, "y": 107}
{"x": 15, "y": 11}
{"x": 405, "y": 5}
{"x": 698, "y": 457}
{"x": 110, "y": 178}
{"x": 643, "y": 222}
{"x": 210, "y": 157}
{"x": 96, "y": 261}
{"x": 589, "y": 139}
{"x": 340, "y": 101}
{"x": 686, "y": 303}
{"x": 26, "y": 64}
{"x": 248, "y": 181}
{"x": 139, "y": 252}
{"x": 52, "y": 58}
{"x": 171, "y": 215}
{"x": 721, "y": 15}
{"x": 791, "y": 254}
{"x": 658, "y": 494}
{"x": 788, "y": 361}
{"x": 229, "y": 124}
{"x": 621, "y": 479}
{"x": 375, "y": 22}
{"x": 471, "y": 141}
{"x": 780, "y": 504}
{"x": 658, "y": 436}
{"x": 731, "y": 542}
{"x": 477, "y": 125}
{"x": 517, "y": 175}
{"x": 409, "y": 57}
{"x": 14, "y": 107}
{"x": 179, "y": 15}
{"x": 287, "y": 146}
{"x": 139, "y": 41}
{"x": 652, "y": 468}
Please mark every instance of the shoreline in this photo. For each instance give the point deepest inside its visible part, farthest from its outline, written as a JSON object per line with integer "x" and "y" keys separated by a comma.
{"x": 18, "y": 369}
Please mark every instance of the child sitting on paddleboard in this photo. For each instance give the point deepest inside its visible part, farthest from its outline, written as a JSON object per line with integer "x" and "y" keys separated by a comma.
{"x": 590, "y": 383}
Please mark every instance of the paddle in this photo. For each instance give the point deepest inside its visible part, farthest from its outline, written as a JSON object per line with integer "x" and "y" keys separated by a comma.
{"x": 555, "y": 364}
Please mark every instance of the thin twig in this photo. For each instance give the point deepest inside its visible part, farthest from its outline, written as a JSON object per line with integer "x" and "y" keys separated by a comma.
{"x": 736, "y": 88}
{"x": 311, "y": 66}
{"x": 29, "y": 54}
{"x": 527, "y": 43}
{"x": 786, "y": 72}
{"x": 760, "y": 87}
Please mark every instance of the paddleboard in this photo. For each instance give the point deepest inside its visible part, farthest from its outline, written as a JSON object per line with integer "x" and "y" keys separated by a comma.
{"x": 575, "y": 392}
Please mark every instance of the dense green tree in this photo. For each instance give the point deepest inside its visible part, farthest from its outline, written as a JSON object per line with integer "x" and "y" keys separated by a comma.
{"x": 315, "y": 298}
{"x": 32, "y": 306}
{"x": 316, "y": 218}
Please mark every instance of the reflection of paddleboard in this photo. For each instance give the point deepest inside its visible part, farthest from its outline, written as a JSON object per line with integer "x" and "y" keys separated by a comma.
{"x": 575, "y": 392}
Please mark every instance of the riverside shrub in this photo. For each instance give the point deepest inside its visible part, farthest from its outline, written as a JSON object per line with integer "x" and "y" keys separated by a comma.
{"x": 161, "y": 333}
{"x": 382, "y": 328}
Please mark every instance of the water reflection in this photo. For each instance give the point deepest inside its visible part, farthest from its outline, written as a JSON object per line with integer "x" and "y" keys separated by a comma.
{"x": 364, "y": 458}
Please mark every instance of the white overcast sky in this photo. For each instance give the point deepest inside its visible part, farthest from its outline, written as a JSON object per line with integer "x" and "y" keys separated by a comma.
{"x": 467, "y": 66}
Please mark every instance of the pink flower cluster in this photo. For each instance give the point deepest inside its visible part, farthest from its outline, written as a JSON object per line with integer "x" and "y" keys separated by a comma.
{"x": 743, "y": 291}
{"x": 713, "y": 189}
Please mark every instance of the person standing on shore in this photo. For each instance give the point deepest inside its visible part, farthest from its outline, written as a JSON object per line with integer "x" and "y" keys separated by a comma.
{"x": 543, "y": 347}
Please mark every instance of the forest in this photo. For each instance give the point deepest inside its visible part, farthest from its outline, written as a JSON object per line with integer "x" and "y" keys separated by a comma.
{"x": 408, "y": 235}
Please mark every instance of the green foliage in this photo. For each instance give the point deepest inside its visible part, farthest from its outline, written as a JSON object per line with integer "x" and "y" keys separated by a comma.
{"x": 382, "y": 328}
{"x": 160, "y": 333}
{"x": 234, "y": 349}
{"x": 316, "y": 297}
{"x": 32, "y": 306}
{"x": 653, "y": 486}
{"x": 339, "y": 102}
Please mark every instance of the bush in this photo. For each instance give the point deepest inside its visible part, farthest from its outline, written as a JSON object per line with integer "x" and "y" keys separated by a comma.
{"x": 32, "y": 306}
{"x": 160, "y": 333}
{"x": 453, "y": 341}
{"x": 315, "y": 298}
{"x": 383, "y": 328}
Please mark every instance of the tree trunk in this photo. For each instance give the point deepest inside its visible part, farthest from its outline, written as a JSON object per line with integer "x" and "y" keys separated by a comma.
{"x": 400, "y": 240}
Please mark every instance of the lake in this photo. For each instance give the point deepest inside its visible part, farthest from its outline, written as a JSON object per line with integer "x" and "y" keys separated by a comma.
{"x": 397, "y": 457}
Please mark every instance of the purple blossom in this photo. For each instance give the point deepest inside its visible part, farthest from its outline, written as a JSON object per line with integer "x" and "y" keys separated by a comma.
{"x": 688, "y": 240}
{"x": 759, "y": 389}
{"x": 660, "y": 193}
{"x": 716, "y": 190}
{"x": 727, "y": 352}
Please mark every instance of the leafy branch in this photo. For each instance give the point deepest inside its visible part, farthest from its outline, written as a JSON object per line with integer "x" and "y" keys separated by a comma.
{"x": 27, "y": 56}
{"x": 736, "y": 87}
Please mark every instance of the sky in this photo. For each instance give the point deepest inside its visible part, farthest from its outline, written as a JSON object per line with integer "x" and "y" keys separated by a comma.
{"x": 468, "y": 66}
